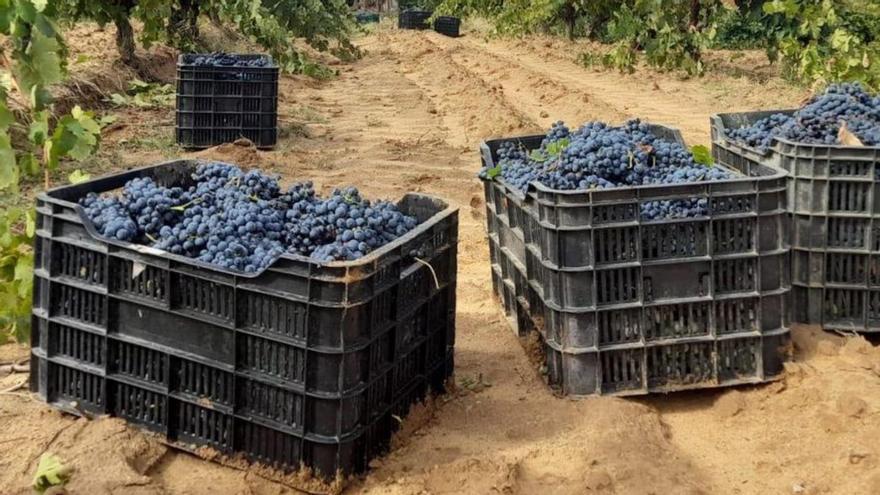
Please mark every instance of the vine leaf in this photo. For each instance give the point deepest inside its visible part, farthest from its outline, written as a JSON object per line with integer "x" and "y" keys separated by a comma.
{"x": 50, "y": 472}
{"x": 78, "y": 176}
{"x": 8, "y": 170}
{"x": 537, "y": 156}
{"x": 702, "y": 155}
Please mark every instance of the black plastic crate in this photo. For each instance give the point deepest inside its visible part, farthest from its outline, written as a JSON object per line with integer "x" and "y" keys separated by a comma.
{"x": 447, "y": 25}
{"x": 220, "y": 104}
{"x": 652, "y": 349}
{"x": 414, "y": 19}
{"x": 595, "y": 278}
{"x": 302, "y": 362}
{"x": 834, "y": 202}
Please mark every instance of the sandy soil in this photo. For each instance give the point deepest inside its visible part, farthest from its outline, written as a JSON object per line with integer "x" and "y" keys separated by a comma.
{"x": 408, "y": 117}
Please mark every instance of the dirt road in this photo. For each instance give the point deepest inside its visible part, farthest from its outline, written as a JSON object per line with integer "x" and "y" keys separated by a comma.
{"x": 408, "y": 117}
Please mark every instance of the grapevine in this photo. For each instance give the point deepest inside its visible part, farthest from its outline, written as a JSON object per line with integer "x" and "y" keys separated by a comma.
{"x": 325, "y": 25}
{"x": 35, "y": 61}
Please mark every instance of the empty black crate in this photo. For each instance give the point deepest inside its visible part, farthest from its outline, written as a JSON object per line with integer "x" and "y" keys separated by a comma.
{"x": 414, "y": 19}
{"x": 834, "y": 202}
{"x": 220, "y": 104}
{"x": 596, "y": 279}
{"x": 302, "y": 362}
{"x": 447, "y": 25}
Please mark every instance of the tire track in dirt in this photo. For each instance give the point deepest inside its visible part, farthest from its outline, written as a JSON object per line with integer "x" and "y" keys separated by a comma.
{"x": 598, "y": 95}
{"x": 532, "y": 91}
{"x": 702, "y": 431}
{"x": 500, "y": 438}
{"x": 470, "y": 108}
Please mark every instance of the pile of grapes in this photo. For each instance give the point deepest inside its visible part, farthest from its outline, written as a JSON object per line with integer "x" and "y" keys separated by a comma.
{"x": 221, "y": 59}
{"x": 244, "y": 221}
{"x": 599, "y": 156}
{"x": 819, "y": 120}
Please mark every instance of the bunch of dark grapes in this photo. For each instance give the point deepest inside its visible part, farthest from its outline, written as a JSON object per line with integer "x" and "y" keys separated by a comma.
{"x": 152, "y": 206}
{"x": 359, "y": 225}
{"x": 221, "y": 59}
{"x": 599, "y": 156}
{"x": 243, "y": 221}
{"x": 819, "y": 120}
{"x": 110, "y": 217}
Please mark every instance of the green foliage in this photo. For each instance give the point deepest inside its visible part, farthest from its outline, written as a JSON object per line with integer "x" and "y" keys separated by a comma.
{"x": 141, "y": 94}
{"x": 825, "y": 41}
{"x": 551, "y": 151}
{"x": 16, "y": 270}
{"x": 669, "y": 34}
{"x": 461, "y": 8}
{"x": 741, "y": 30}
{"x": 78, "y": 176}
{"x": 326, "y": 25}
{"x": 37, "y": 61}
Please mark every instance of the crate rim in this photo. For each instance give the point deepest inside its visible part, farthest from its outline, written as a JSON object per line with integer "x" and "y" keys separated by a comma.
{"x": 182, "y": 64}
{"x": 370, "y": 259}
{"x": 670, "y": 189}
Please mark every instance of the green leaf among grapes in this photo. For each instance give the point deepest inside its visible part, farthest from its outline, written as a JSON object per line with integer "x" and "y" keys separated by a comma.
{"x": 556, "y": 148}
{"x": 702, "y": 155}
{"x": 537, "y": 156}
{"x": 493, "y": 172}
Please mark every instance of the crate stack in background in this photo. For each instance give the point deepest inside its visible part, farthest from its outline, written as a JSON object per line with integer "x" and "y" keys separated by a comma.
{"x": 834, "y": 203}
{"x": 628, "y": 306}
{"x": 219, "y": 104}
{"x": 302, "y": 364}
{"x": 413, "y": 18}
{"x": 448, "y": 26}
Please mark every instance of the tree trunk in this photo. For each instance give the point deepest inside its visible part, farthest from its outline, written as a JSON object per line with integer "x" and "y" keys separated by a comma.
{"x": 183, "y": 28}
{"x": 695, "y": 14}
{"x": 570, "y": 17}
{"x": 125, "y": 40}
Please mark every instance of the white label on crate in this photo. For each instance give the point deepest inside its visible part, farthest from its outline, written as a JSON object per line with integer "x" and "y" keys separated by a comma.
{"x": 148, "y": 250}
{"x": 137, "y": 268}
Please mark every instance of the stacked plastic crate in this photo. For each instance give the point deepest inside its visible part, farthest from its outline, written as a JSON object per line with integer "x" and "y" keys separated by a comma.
{"x": 300, "y": 364}
{"x": 220, "y": 104}
{"x": 834, "y": 202}
{"x": 629, "y": 306}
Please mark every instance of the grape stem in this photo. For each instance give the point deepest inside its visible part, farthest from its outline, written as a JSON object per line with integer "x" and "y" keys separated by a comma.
{"x": 187, "y": 205}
